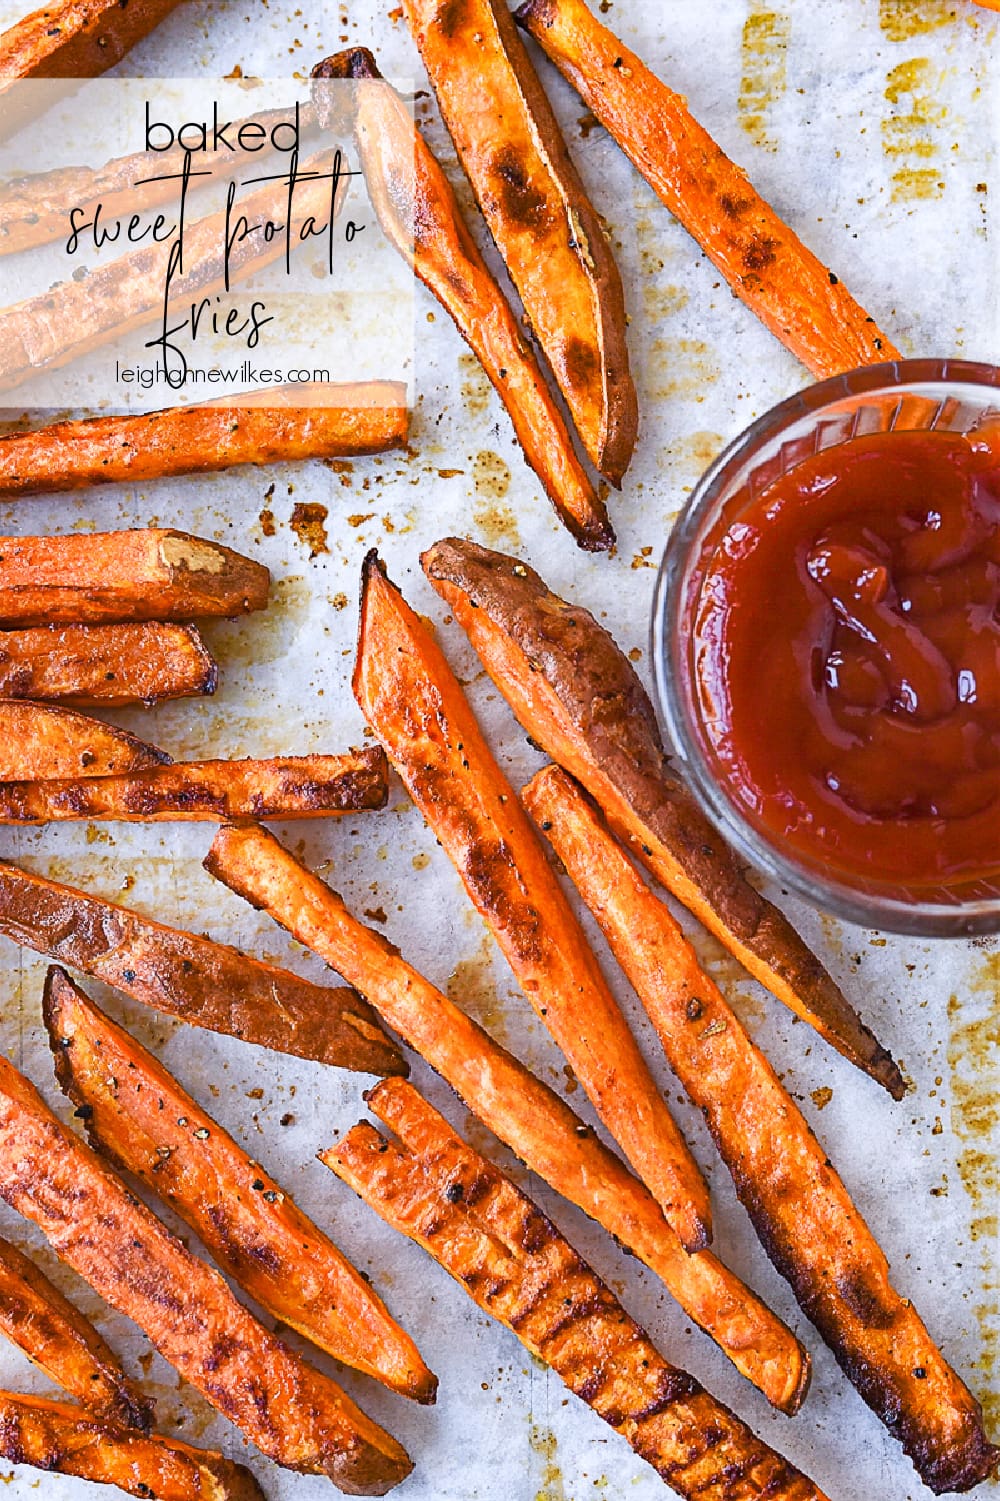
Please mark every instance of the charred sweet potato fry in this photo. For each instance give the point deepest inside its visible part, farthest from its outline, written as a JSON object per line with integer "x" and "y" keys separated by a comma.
{"x": 295, "y": 1415}
{"x": 412, "y": 700}
{"x": 93, "y": 578}
{"x": 801, "y": 1210}
{"x": 76, "y": 38}
{"x": 203, "y": 983}
{"x": 283, "y": 787}
{"x": 40, "y": 741}
{"x": 293, "y": 422}
{"x": 430, "y": 233}
{"x": 522, "y": 1111}
{"x": 792, "y": 293}
{"x": 538, "y": 212}
{"x": 107, "y": 665}
{"x": 578, "y": 696}
{"x": 65, "y": 1345}
{"x": 515, "y": 1264}
{"x": 63, "y": 1440}
{"x": 148, "y": 1126}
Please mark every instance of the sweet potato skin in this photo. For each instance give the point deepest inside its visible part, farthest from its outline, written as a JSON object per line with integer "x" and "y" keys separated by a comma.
{"x": 297, "y": 422}
{"x": 106, "y": 665}
{"x": 789, "y": 289}
{"x": 76, "y": 38}
{"x": 43, "y": 742}
{"x": 209, "y": 791}
{"x": 253, "y": 1230}
{"x": 578, "y": 696}
{"x": 538, "y": 213}
{"x": 515, "y": 1264}
{"x": 203, "y": 983}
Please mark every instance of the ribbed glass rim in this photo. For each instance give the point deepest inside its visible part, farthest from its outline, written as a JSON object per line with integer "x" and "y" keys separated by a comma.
{"x": 925, "y": 918}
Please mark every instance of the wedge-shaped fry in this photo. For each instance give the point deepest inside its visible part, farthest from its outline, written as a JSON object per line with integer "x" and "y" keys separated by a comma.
{"x": 76, "y": 38}
{"x": 63, "y": 1440}
{"x": 295, "y": 422}
{"x": 763, "y": 260}
{"x": 801, "y": 1210}
{"x": 156, "y": 1131}
{"x": 522, "y": 1111}
{"x": 578, "y": 696}
{"x": 203, "y": 983}
{"x": 412, "y": 700}
{"x": 513, "y": 1261}
{"x": 91, "y": 578}
{"x": 417, "y": 209}
{"x": 284, "y": 787}
{"x": 40, "y": 741}
{"x": 65, "y": 1345}
{"x": 295, "y": 1415}
{"x": 538, "y": 212}
{"x": 106, "y": 665}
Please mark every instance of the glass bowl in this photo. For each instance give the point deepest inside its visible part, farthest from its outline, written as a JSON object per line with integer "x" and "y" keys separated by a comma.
{"x": 920, "y": 395}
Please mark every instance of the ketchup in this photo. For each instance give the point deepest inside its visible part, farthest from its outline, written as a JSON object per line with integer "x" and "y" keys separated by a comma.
{"x": 845, "y": 665}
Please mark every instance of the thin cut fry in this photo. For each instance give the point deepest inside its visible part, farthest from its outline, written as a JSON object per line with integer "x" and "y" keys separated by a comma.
{"x": 156, "y": 1131}
{"x": 106, "y": 665}
{"x": 296, "y": 1416}
{"x": 801, "y": 1210}
{"x": 76, "y": 38}
{"x": 412, "y": 700}
{"x": 41, "y": 742}
{"x": 65, "y": 1345}
{"x": 430, "y": 233}
{"x": 512, "y": 1260}
{"x": 792, "y": 293}
{"x": 522, "y": 1111}
{"x": 202, "y": 983}
{"x": 578, "y": 696}
{"x": 283, "y": 787}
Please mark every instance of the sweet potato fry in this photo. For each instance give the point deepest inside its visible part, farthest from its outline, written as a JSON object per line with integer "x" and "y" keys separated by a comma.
{"x": 293, "y": 422}
{"x": 538, "y": 212}
{"x": 76, "y": 38}
{"x": 296, "y": 1416}
{"x": 156, "y": 1131}
{"x": 40, "y": 742}
{"x": 431, "y": 234}
{"x": 801, "y": 1210}
{"x": 203, "y": 983}
{"x": 63, "y": 1440}
{"x": 106, "y": 665}
{"x": 284, "y": 787}
{"x": 522, "y": 1111}
{"x": 412, "y": 700}
{"x": 579, "y": 697}
{"x": 93, "y": 578}
{"x": 65, "y": 1345}
{"x": 763, "y": 260}
{"x": 515, "y": 1264}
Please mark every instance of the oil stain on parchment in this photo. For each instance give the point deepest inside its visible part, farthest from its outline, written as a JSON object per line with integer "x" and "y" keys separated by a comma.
{"x": 265, "y": 636}
{"x": 681, "y": 367}
{"x": 766, "y": 35}
{"x": 472, "y": 987}
{"x": 497, "y": 522}
{"x": 911, "y": 131}
{"x": 475, "y": 384}
{"x": 543, "y": 1443}
{"x": 902, "y": 19}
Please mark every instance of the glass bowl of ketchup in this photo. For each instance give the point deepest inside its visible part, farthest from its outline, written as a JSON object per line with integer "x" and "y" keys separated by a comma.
{"x": 826, "y": 645}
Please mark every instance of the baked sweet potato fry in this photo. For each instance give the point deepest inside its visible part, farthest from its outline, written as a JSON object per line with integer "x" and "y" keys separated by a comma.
{"x": 66, "y": 1346}
{"x": 62, "y": 1440}
{"x": 295, "y": 1415}
{"x": 430, "y": 233}
{"x": 531, "y": 1118}
{"x": 294, "y": 422}
{"x": 515, "y": 1264}
{"x": 283, "y": 787}
{"x": 149, "y": 1126}
{"x": 202, "y": 983}
{"x": 41, "y": 741}
{"x": 538, "y": 212}
{"x": 579, "y": 698}
{"x": 792, "y": 293}
{"x": 412, "y": 700}
{"x": 76, "y": 38}
{"x": 106, "y": 665}
{"x": 94, "y": 578}
{"x": 800, "y": 1209}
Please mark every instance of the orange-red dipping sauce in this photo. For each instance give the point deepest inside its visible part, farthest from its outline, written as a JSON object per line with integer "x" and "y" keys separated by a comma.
{"x": 846, "y": 662}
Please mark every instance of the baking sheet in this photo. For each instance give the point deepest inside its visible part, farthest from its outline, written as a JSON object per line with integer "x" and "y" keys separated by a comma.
{"x": 848, "y": 116}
